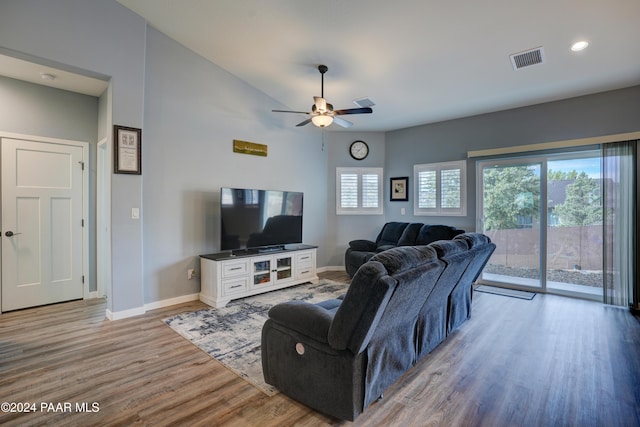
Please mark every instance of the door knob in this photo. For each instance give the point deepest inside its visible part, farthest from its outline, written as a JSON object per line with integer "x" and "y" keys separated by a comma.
{"x": 11, "y": 233}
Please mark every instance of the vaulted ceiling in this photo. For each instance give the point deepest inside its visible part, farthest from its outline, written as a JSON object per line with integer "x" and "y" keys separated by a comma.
{"x": 420, "y": 61}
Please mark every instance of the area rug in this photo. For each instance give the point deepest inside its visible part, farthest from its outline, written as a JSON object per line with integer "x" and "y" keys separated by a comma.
{"x": 513, "y": 293}
{"x": 232, "y": 334}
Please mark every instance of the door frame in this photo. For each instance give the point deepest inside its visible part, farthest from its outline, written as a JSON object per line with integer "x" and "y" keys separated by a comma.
{"x": 103, "y": 219}
{"x": 85, "y": 198}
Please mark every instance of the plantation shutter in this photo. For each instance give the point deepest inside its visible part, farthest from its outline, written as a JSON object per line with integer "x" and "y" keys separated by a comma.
{"x": 359, "y": 191}
{"x": 370, "y": 191}
{"x": 440, "y": 188}
{"x": 450, "y": 189}
{"x": 427, "y": 194}
{"x": 349, "y": 190}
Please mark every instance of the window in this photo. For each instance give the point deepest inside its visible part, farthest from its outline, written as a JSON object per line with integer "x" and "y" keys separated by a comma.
{"x": 440, "y": 189}
{"x": 359, "y": 191}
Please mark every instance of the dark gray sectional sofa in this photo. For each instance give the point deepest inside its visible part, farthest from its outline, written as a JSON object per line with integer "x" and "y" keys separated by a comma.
{"x": 395, "y": 234}
{"x": 338, "y": 356}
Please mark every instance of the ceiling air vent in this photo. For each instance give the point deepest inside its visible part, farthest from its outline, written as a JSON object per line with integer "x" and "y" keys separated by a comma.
{"x": 527, "y": 58}
{"x": 364, "y": 102}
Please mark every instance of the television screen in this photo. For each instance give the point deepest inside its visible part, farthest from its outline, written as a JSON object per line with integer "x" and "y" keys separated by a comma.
{"x": 252, "y": 218}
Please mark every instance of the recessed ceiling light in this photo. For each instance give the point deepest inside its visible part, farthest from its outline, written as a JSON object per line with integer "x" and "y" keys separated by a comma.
{"x": 578, "y": 46}
{"x": 47, "y": 76}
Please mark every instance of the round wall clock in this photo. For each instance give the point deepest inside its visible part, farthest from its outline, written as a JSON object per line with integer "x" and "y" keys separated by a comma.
{"x": 359, "y": 150}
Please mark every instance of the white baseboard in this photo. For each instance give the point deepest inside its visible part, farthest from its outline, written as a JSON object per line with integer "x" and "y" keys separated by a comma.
{"x": 171, "y": 301}
{"x": 180, "y": 300}
{"x": 117, "y": 315}
{"x": 330, "y": 268}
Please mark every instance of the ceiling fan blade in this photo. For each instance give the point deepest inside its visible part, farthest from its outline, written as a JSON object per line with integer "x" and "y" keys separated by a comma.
{"x": 306, "y": 122}
{"x": 320, "y": 103}
{"x": 287, "y": 111}
{"x": 364, "y": 110}
{"x": 342, "y": 122}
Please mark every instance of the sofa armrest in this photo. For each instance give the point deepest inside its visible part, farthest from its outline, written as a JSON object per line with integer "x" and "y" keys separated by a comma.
{"x": 308, "y": 319}
{"x": 362, "y": 245}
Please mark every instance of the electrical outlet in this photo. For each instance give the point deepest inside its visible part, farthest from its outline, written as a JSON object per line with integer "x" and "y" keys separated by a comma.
{"x": 190, "y": 273}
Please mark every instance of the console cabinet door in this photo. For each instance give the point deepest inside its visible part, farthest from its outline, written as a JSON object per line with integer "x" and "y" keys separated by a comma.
{"x": 284, "y": 269}
{"x": 261, "y": 272}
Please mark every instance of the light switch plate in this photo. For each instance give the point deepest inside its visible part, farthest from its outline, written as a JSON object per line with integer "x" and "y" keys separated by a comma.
{"x": 135, "y": 213}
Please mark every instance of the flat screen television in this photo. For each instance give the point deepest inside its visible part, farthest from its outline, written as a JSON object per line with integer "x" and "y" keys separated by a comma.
{"x": 259, "y": 219}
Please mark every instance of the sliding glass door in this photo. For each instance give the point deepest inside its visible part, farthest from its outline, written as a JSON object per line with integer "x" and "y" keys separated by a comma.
{"x": 545, "y": 216}
{"x": 510, "y": 216}
{"x": 574, "y": 228}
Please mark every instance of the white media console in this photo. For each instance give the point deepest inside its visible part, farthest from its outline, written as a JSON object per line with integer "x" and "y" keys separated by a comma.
{"x": 226, "y": 277}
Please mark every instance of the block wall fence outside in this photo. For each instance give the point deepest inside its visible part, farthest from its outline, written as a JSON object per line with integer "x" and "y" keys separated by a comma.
{"x": 568, "y": 247}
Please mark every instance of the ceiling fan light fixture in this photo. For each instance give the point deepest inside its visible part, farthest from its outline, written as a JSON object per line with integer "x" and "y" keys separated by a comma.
{"x": 322, "y": 113}
{"x": 322, "y": 120}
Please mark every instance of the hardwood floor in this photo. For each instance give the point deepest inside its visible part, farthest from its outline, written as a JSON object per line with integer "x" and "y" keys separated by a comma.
{"x": 550, "y": 361}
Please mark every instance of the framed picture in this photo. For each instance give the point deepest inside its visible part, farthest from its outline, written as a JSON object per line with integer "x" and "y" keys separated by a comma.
{"x": 128, "y": 150}
{"x": 399, "y": 189}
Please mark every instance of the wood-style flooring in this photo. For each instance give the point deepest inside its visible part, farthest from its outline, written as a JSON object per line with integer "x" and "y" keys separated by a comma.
{"x": 552, "y": 361}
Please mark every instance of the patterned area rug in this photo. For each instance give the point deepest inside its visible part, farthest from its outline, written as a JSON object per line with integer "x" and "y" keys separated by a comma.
{"x": 232, "y": 334}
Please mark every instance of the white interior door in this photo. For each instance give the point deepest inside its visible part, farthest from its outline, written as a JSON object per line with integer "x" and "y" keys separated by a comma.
{"x": 42, "y": 239}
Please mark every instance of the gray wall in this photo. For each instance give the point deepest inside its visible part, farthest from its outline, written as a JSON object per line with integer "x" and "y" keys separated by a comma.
{"x": 344, "y": 228}
{"x": 31, "y": 109}
{"x": 604, "y": 113}
{"x": 193, "y": 112}
{"x": 190, "y": 111}
{"x": 105, "y": 38}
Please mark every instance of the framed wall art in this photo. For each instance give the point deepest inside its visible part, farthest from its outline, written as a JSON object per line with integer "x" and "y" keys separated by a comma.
{"x": 127, "y": 150}
{"x": 399, "y": 189}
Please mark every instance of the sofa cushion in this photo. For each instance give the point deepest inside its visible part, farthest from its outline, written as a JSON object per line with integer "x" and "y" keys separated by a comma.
{"x": 432, "y": 233}
{"x": 391, "y": 233}
{"x": 445, "y": 248}
{"x": 473, "y": 239}
{"x": 361, "y": 309}
{"x": 481, "y": 247}
{"x": 362, "y": 245}
{"x": 432, "y": 324}
{"x": 409, "y": 234}
{"x": 312, "y": 320}
{"x": 397, "y": 260}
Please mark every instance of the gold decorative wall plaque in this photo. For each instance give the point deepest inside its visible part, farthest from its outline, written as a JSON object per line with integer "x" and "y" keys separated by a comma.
{"x": 246, "y": 147}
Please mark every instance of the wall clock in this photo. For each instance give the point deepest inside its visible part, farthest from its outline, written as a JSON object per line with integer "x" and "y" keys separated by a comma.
{"x": 359, "y": 150}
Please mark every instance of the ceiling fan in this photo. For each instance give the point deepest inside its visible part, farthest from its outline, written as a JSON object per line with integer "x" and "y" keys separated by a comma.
{"x": 322, "y": 113}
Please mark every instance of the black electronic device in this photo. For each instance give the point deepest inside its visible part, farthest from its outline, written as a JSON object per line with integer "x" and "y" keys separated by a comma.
{"x": 252, "y": 219}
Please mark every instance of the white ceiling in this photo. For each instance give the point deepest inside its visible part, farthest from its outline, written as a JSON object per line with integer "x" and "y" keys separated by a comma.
{"x": 420, "y": 61}
{"x": 47, "y": 75}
